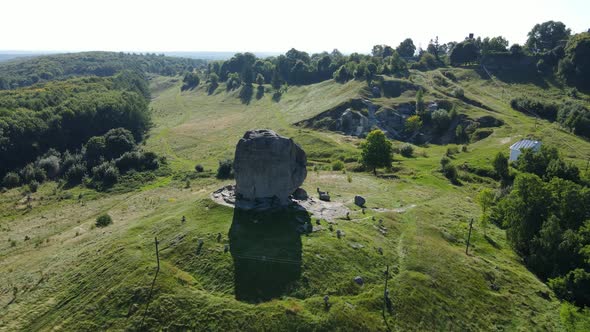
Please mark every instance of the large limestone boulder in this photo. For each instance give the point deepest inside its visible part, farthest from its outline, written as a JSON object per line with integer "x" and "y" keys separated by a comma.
{"x": 268, "y": 169}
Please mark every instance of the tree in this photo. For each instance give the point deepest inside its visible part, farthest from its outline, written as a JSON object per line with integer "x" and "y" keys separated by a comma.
{"x": 225, "y": 169}
{"x": 464, "y": 52}
{"x": 526, "y": 208}
{"x": 516, "y": 50}
{"x": 406, "y": 48}
{"x": 434, "y": 48}
{"x": 191, "y": 80}
{"x": 376, "y": 151}
{"x": 276, "y": 81}
{"x": 342, "y": 74}
{"x": 494, "y": 45}
{"x": 118, "y": 141}
{"x": 441, "y": 120}
{"x": 546, "y": 36}
{"x": 500, "y": 163}
{"x": 11, "y": 180}
{"x": 485, "y": 199}
{"x": 575, "y": 65}
{"x": 259, "y": 79}
{"x": 413, "y": 124}
{"x": 377, "y": 51}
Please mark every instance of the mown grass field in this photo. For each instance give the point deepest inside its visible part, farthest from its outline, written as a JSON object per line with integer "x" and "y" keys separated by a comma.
{"x": 69, "y": 275}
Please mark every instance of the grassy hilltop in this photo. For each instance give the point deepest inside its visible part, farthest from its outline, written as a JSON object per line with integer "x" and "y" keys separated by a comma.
{"x": 60, "y": 272}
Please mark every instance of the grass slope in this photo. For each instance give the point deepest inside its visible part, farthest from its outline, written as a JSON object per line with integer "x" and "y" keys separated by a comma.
{"x": 69, "y": 275}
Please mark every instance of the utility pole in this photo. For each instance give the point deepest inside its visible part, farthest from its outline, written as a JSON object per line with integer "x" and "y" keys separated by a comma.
{"x": 386, "y": 299}
{"x": 469, "y": 236}
{"x": 153, "y": 283}
{"x": 157, "y": 255}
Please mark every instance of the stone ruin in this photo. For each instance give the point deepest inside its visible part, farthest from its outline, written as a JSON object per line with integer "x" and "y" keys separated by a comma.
{"x": 268, "y": 169}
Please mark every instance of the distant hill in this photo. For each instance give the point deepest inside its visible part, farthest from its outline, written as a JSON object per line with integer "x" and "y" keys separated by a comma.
{"x": 21, "y": 72}
{"x": 211, "y": 55}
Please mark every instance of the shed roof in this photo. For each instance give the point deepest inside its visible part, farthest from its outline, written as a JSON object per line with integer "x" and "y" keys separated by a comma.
{"x": 525, "y": 144}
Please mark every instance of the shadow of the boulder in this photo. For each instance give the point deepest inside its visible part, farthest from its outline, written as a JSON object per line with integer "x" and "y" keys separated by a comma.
{"x": 266, "y": 249}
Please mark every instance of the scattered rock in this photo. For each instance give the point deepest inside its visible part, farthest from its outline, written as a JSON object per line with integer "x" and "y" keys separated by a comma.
{"x": 494, "y": 287}
{"x": 339, "y": 233}
{"x": 324, "y": 195}
{"x": 544, "y": 294}
{"x": 359, "y": 201}
{"x": 317, "y": 228}
{"x": 300, "y": 194}
{"x": 359, "y": 280}
{"x": 268, "y": 169}
{"x": 356, "y": 245}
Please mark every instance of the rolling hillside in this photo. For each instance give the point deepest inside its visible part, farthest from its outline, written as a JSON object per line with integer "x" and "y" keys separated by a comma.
{"x": 60, "y": 272}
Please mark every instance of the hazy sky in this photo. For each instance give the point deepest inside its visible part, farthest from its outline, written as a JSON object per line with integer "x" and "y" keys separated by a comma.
{"x": 269, "y": 25}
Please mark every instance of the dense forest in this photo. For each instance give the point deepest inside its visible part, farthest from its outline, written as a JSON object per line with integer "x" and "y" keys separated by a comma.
{"x": 546, "y": 213}
{"x": 27, "y": 71}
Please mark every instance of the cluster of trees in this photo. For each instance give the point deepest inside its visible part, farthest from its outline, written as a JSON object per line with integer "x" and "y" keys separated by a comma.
{"x": 547, "y": 219}
{"x": 571, "y": 115}
{"x": 24, "y": 72}
{"x": 101, "y": 160}
{"x": 64, "y": 115}
{"x": 298, "y": 67}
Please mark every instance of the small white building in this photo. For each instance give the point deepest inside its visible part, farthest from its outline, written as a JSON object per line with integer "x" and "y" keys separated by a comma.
{"x": 516, "y": 148}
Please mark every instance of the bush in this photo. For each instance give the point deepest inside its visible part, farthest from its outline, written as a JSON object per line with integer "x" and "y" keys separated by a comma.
{"x": 11, "y": 180}
{"x": 444, "y": 161}
{"x": 138, "y": 161}
{"x": 531, "y": 106}
{"x": 450, "y": 172}
{"x": 106, "y": 173}
{"x": 407, "y": 151}
{"x": 225, "y": 169}
{"x": 337, "y": 165}
{"x": 199, "y": 168}
{"x": 33, "y": 186}
{"x": 458, "y": 93}
{"x": 103, "y": 220}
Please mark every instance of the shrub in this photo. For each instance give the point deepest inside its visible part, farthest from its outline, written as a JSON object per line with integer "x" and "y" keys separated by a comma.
{"x": 33, "y": 186}
{"x": 199, "y": 168}
{"x": 225, "y": 169}
{"x": 458, "y": 93}
{"x": 450, "y": 172}
{"x": 337, "y": 165}
{"x": 444, "y": 161}
{"x": 137, "y": 160}
{"x": 407, "y": 151}
{"x": 532, "y": 106}
{"x": 106, "y": 173}
{"x": 103, "y": 220}
{"x": 11, "y": 180}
